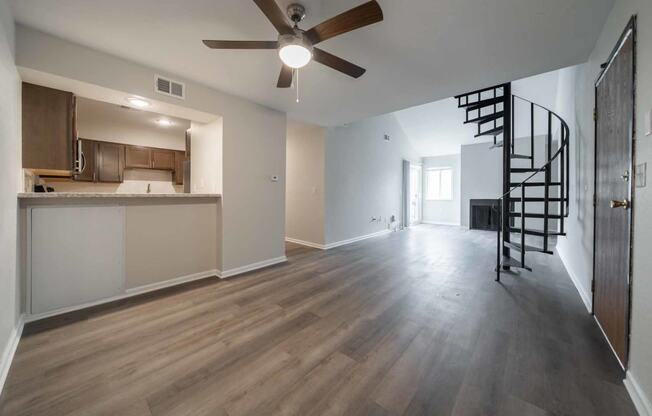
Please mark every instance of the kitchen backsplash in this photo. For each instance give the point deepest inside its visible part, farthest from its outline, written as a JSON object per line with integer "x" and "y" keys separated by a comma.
{"x": 135, "y": 181}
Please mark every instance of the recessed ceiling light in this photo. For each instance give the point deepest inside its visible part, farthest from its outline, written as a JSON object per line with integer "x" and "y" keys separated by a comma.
{"x": 164, "y": 122}
{"x": 138, "y": 102}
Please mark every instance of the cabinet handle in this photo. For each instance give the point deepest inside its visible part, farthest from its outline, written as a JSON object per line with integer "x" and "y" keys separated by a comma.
{"x": 83, "y": 162}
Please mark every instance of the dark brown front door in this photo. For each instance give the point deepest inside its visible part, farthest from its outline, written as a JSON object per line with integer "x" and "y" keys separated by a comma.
{"x": 613, "y": 164}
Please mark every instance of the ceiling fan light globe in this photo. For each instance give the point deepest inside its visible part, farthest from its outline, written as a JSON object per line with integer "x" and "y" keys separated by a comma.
{"x": 295, "y": 56}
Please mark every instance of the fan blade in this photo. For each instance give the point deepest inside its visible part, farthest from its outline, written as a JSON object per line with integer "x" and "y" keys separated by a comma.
{"x": 241, "y": 44}
{"x": 364, "y": 15}
{"x": 285, "y": 78}
{"x": 275, "y": 16}
{"x": 337, "y": 63}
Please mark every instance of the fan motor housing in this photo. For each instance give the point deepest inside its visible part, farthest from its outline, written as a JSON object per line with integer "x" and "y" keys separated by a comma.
{"x": 298, "y": 38}
{"x": 296, "y": 12}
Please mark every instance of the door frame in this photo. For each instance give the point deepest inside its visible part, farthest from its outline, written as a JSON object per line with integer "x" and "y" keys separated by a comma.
{"x": 419, "y": 168}
{"x": 631, "y": 27}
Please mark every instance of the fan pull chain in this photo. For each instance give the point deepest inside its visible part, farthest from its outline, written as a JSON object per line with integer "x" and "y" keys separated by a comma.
{"x": 297, "y": 83}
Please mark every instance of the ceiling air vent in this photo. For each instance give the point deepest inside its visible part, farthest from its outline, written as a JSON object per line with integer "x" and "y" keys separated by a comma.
{"x": 169, "y": 87}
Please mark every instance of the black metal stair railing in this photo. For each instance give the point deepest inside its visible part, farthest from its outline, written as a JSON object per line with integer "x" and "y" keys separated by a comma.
{"x": 493, "y": 110}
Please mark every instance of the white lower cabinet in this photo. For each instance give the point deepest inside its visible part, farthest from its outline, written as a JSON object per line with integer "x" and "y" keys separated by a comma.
{"x": 76, "y": 255}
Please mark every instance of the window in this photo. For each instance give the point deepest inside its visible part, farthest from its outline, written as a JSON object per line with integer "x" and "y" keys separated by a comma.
{"x": 439, "y": 184}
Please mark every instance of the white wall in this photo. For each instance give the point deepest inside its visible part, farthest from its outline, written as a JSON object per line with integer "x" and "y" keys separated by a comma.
{"x": 443, "y": 212}
{"x": 304, "y": 207}
{"x": 206, "y": 157}
{"x": 542, "y": 90}
{"x": 253, "y": 207}
{"x": 10, "y": 183}
{"x": 577, "y": 247}
{"x": 364, "y": 176}
{"x": 575, "y": 104}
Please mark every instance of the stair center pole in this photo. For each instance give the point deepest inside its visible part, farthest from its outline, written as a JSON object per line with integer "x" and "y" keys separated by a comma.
{"x": 507, "y": 165}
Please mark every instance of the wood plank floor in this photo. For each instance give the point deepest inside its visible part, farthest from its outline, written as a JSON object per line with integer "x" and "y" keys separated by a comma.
{"x": 410, "y": 323}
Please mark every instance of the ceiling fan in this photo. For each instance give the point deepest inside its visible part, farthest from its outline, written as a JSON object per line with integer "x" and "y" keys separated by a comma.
{"x": 296, "y": 47}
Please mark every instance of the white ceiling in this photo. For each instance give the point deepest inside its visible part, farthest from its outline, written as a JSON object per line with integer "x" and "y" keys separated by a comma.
{"x": 438, "y": 128}
{"x": 423, "y": 51}
{"x": 143, "y": 120}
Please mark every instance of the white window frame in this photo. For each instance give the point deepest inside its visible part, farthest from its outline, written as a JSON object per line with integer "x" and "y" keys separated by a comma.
{"x": 439, "y": 197}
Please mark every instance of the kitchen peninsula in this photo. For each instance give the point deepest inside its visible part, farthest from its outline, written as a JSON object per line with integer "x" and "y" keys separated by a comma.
{"x": 83, "y": 249}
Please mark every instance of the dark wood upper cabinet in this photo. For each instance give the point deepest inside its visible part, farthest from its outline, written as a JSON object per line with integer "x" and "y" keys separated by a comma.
{"x": 179, "y": 158}
{"x": 110, "y": 162}
{"x": 163, "y": 159}
{"x": 48, "y": 131}
{"x": 138, "y": 157}
{"x": 87, "y": 158}
{"x": 106, "y": 161}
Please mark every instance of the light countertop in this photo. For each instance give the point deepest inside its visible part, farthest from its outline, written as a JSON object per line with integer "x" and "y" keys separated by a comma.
{"x": 106, "y": 195}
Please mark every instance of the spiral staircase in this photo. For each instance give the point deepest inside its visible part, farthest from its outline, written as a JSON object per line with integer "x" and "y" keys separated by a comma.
{"x": 531, "y": 211}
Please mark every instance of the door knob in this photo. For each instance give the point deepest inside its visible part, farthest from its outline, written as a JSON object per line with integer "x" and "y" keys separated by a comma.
{"x": 624, "y": 204}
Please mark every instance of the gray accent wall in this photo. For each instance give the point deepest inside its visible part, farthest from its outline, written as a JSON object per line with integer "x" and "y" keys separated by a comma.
{"x": 363, "y": 176}
{"x": 481, "y": 175}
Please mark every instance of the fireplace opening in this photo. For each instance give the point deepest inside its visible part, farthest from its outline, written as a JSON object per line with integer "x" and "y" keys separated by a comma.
{"x": 483, "y": 215}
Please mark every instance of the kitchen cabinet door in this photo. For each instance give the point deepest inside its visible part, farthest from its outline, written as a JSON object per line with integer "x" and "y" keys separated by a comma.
{"x": 138, "y": 157}
{"x": 179, "y": 158}
{"x": 47, "y": 117}
{"x": 110, "y": 162}
{"x": 162, "y": 159}
{"x": 87, "y": 157}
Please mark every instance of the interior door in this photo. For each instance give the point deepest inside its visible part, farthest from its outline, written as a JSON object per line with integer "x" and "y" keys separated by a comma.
{"x": 415, "y": 194}
{"x": 613, "y": 192}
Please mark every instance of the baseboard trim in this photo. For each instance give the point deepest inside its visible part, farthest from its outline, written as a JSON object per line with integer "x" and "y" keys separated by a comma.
{"x": 10, "y": 351}
{"x": 456, "y": 224}
{"x": 606, "y": 339}
{"x": 356, "y": 239}
{"x": 641, "y": 401}
{"x": 586, "y": 297}
{"x": 251, "y": 267}
{"x": 305, "y": 243}
{"x": 172, "y": 282}
{"x": 128, "y": 293}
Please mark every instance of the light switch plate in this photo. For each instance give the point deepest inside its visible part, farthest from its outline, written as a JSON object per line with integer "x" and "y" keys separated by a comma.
{"x": 641, "y": 175}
